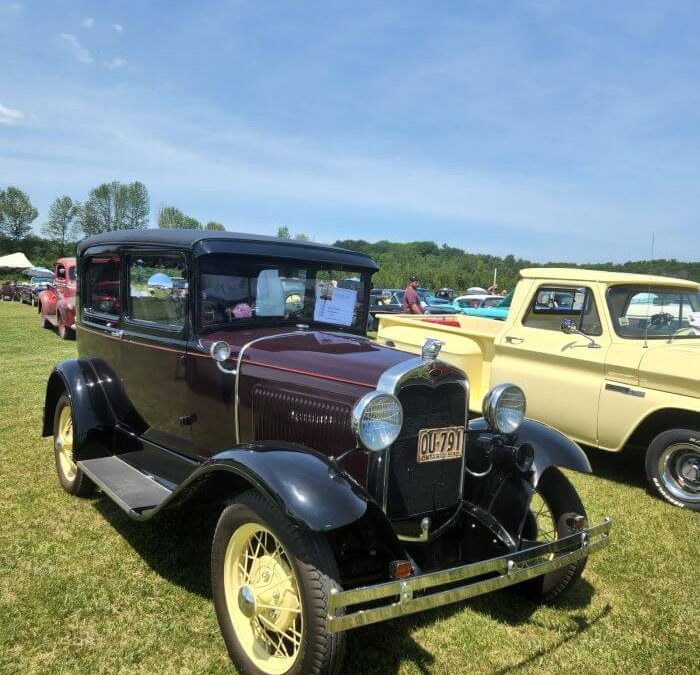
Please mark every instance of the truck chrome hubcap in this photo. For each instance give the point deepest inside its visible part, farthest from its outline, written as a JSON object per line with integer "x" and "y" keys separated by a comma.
{"x": 263, "y": 599}
{"x": 64, "y": 444}
{"x": 679, "y": 471}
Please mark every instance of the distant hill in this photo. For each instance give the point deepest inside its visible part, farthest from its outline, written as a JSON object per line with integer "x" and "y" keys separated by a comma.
{"x": 451, "y": 267}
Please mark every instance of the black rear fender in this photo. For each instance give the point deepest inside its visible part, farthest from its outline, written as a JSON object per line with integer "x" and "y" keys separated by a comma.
{"x": 93, "y": 422}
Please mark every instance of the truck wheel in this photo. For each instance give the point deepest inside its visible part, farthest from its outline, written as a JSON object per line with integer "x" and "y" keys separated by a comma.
{"x": 271, "y": 582}
{"x": 72, "y": 479}
{"x": 64, "y": 332}
{"x": 673, "y": 467}
{"x": 43, "y": 322}
{"x": 554, "y": 500}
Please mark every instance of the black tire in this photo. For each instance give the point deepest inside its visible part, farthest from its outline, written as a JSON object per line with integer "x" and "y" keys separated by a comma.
{"x": 314, "y": 564}
{"x": 43, "y": 322}
{"x": 563, "y": 500}
{"x": 672, "y": 466}
{"x": 64, "y": 332}
{"x": 78, "y": 484}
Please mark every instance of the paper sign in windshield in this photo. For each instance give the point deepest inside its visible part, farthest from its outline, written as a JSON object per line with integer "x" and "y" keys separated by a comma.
{"x": 334, "y": 305}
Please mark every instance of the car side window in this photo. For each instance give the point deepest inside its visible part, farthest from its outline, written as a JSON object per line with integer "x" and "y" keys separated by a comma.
{"x": 551, "y": 305}
{"x": 158, "y": 289}
{"x": 102, "y": 286}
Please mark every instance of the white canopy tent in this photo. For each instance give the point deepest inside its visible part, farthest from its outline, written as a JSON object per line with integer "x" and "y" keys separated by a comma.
{"x": 15, "y": 261}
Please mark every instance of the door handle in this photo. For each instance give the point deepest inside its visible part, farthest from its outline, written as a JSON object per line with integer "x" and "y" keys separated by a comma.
{"x": 511, "y": 339}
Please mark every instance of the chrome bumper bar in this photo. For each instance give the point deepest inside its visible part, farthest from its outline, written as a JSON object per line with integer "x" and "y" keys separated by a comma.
{"x": 509, "y": 569}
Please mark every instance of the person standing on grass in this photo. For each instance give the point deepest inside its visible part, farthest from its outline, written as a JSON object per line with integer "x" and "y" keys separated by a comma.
{"x": 411, "y": 301}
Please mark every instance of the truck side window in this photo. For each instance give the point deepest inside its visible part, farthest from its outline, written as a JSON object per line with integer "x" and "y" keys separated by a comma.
{"x": 551, "y": 305}
{"x": 158, "y": 289}
{"x": 102, "y": 286}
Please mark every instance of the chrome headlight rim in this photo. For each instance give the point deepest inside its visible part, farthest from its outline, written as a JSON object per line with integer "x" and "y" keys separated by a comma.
{"x": 491, "y": 407}
{"x": 359, "y": 411}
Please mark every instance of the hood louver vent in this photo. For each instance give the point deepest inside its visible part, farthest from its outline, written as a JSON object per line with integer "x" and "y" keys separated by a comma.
{"x": 284, "y": 415}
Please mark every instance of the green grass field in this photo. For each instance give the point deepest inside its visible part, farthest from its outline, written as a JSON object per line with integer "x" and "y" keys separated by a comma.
{"x": 85, "y": 590}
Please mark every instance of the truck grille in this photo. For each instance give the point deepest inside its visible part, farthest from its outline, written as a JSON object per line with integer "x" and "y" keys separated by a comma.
{"x": 418, "y": 489}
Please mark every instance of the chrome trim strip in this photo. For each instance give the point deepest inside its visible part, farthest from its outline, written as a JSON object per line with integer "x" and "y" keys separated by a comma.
{"x": 621, "y": 389}
{"x": 511, "y": 568}
{"x": 239, "y": 358}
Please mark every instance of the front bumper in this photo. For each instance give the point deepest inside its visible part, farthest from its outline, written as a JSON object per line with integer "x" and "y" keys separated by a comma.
{"x": 442, "y": 588}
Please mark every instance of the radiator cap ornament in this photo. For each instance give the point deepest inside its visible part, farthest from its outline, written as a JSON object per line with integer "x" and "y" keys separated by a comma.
{"x": 431, "y": 349}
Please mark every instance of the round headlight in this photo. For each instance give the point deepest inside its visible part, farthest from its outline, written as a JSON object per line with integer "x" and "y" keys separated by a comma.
{"x": 504, "y": 408}
{"x": 377, "y": 420}
{"x": 220, "y": 351}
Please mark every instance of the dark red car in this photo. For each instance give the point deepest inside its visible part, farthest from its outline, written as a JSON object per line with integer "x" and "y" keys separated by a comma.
{"x": 351, "y": 487}
{"x": 56, "y": 303}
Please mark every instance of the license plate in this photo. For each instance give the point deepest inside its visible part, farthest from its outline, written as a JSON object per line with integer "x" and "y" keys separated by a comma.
{"x": 435, "y": 445}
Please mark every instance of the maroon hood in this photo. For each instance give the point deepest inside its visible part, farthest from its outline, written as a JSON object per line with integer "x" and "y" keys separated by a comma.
{"x": 328, "y": 355}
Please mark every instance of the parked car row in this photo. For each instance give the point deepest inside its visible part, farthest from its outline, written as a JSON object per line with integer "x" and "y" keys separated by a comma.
{"x": 351, "y": 485}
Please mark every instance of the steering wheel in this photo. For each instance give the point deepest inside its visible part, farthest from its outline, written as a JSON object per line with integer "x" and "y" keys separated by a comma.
{"x": 662, "y": 320}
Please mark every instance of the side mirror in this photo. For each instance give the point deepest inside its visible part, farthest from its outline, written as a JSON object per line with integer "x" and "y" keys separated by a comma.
{"x": 221, "y": 352}
{"x": 569, "y": 327}
{"x": 160, "y": 286}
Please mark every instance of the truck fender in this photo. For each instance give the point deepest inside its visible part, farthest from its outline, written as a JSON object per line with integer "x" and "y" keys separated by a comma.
{"x": 46, "y": 301}
{"x": 551, "y": 447}
{"x": 93, "y": 422}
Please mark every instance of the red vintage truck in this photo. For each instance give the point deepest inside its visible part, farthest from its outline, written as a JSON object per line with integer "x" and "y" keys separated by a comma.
{"x": 56, "y": 304}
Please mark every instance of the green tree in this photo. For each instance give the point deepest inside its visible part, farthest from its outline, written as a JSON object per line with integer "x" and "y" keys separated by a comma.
{"x": 215, "y": 227}
{"x": 63, "y": 220}
{"x": 170, "y": 217}
{"x": 115, "y": 206}
{"x": 300, "y": 236}
{"x": 16, "y": 213}
{"x": 283, "y": 232}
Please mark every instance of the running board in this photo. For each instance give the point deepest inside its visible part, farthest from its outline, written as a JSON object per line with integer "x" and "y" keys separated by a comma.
{"x": 132, "y": 490}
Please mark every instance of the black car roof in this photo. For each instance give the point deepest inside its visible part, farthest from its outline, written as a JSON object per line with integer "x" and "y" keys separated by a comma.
{"x": 204, "y": 241}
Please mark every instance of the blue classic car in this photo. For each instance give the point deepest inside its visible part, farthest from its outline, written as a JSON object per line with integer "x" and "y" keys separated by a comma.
{"x": 488, "y": 307}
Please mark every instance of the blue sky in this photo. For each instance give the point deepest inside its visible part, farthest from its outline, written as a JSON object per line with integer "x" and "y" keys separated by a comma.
{"x": 550, "y": 130}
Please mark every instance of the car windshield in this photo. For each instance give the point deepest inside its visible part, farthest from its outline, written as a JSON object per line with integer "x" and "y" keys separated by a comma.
{"x": 241, "y": 292}
{"x": 654, "y": 312}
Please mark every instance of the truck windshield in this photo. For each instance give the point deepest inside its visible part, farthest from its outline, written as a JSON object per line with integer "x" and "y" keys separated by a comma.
{"x": 654, "y": 312}
{"x": 252, "y": 291}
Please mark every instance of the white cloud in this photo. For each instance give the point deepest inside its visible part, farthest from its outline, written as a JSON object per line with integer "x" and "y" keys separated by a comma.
{"x": 79, "y": 52}
{"x": 115, "y": 63}
{"x": 118, "y": 27}
{"x": 10, "y": 116}
{"x": 88, "y": 23}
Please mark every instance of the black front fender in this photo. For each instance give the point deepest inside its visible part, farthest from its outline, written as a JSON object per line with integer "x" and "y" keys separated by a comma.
{"x": 308, "y": 486}
{"x": 551, "y": 447}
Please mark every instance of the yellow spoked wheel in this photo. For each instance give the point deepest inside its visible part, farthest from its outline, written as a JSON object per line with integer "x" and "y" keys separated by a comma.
{"x": 72, "y": 479}
{"x": 63, "y": 441}
{"x": 263, "y": 598}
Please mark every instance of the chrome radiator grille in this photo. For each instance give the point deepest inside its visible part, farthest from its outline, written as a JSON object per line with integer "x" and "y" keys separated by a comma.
{"x": 415, "y": 489}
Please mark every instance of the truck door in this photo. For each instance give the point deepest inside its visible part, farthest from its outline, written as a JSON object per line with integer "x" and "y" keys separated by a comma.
{"x": 561, "y": 374}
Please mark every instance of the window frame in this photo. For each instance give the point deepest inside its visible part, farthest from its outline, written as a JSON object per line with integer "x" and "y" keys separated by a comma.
{"x": 174, "y": 330}
{"x": 564, "y": 313}
{"x": 87, "y": 313}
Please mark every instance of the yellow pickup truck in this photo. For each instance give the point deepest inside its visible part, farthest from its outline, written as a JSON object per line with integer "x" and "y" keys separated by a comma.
{"x": 610, "y": 359}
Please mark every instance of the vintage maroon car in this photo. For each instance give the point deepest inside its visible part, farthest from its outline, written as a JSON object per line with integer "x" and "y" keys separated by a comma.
{"x": 350, "y": 484}
{"x": 56, "y": 303}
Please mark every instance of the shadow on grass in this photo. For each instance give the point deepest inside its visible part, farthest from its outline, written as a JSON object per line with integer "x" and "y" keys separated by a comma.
{"x": 177, "y": 547}
{"x": 626, "y": 467}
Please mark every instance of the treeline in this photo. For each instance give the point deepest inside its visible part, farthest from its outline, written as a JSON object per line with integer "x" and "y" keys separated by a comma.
{"x": 450, "y": 267}
{"x": 109, "y": 206}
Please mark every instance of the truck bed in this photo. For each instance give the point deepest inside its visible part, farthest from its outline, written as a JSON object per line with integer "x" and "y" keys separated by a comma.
{"x": 469, "y": 343}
